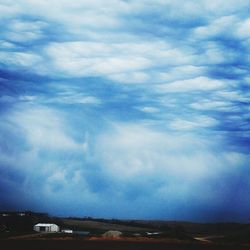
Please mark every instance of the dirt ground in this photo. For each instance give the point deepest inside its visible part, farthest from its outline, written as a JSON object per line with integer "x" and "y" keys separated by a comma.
{"x": 108, "y": 245}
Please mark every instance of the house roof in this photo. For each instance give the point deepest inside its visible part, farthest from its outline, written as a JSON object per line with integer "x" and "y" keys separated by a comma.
{"x": 45, "y": 224}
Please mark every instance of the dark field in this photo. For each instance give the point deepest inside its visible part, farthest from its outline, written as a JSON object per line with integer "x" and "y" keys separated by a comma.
{"x": 107, "y": 245}
{"x": 16, "y": 233}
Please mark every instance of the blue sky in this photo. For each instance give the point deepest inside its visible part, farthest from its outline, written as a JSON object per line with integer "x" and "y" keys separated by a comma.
{"x": 126, "y": 109}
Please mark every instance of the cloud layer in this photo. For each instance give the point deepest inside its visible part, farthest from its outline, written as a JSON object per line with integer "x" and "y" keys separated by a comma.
{"x": 107, "y": 110}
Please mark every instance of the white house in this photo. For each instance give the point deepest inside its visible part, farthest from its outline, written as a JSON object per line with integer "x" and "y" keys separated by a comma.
{"x": 46, "y": 227}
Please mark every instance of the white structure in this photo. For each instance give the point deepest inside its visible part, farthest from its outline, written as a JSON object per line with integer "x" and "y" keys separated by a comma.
{"x": 46, "y": 227}
{"x": 67, "y": 231}
{"x": 5, "y": 215}
{"x": 153, "y": 233}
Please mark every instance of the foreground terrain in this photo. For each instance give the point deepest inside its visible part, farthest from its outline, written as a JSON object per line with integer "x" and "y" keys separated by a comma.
{"x": 108, "y": 245}
{"x": 16, "y": 233}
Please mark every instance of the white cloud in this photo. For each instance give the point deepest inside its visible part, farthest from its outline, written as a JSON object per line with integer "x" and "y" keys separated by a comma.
{"x": 44, "y": 128}
{"x": 28, "y": 98}
{"x": 228, "y": 27}
{"x": 149, "y": 109}
{"x": 131, "y": 77}
{"x": 214, "y": 53}
{"x": 73, "y": 99}
{"x": 222, "y": 100}
{"x": 21, "y": 59}
{"x": 243, "y": 29}
{"x": 85, "y": 59}
{"x": 81, "y": 13}
{"x": 132, "y": 62}
{"x": 179, "y": 73}
{"x": 135, "y": 60}
{"x": 210, "y": 105}
{"x": 233, "y": 96}
{"x": 195, "y": 123}
{"x": 130, "y": 152}
{"x": 197, "y": 84}
{"x": 219, "y": 26}
{"x": 9, "y": 8}
{"x": 6, "y": 45}
{"x": 21, "y": 31}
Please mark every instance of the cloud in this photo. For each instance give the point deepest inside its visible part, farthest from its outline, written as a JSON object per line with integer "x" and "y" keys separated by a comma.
{"x": 115, "y": 60}
{"x": 6, "y": 45}
{"x": 24, "y": 31}
{"x": 73, "y": 99}
{"x": 196, "y": 84}
{"x": 218, "y": 27}
{"x": 243, "y": 29}
{"x": 145, "y": 150}
{"x": 233, "y": 96}
{"x": 45, "y": 154}
{"x": 19, "y": 59}
{"x": 149, "y": 109}
{"x": 104, "y": 105}
{"x": 181, "y": 166}
{"x": 43, "y": 128}
{"x": 196, "y": 122}
{"x": 212, "y": 105}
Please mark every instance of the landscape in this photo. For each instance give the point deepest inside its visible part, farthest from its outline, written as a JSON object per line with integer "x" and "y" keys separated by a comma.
{"x": 124, "y": 124}
{"x": 17, "y": 232}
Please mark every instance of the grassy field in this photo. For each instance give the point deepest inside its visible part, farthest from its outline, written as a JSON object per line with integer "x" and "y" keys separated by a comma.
{"x": 103, "y": 226}
{"x": 16, "y": 227}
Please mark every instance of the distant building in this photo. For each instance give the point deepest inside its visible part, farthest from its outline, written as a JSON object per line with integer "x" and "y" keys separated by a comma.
{"x": 46, "y": 227}
{"x": 5, "y": 214}
{"x": 153, "y": 233}
{"x": 21, "y": 213}
{"x": 67, "y": 231}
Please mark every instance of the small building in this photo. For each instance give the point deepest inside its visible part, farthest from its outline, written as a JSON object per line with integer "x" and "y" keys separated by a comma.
{"x": 46, "y": 227}
{"x": 4, "y": 214}
{"x": 153, "y": 233}
{"x": 67, "y": 231}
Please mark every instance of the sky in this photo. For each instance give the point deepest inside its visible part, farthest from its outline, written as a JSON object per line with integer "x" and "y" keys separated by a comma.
{"x": 126, "y": 109}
